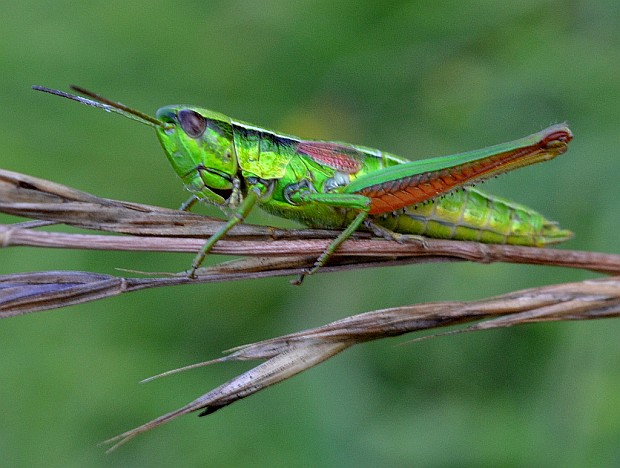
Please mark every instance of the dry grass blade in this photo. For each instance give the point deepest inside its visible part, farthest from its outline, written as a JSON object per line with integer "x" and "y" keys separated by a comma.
{"x": 297, "y": 358}
{"x": 267, "y": 251}
{"x": 291, "y": 354}
{"x": 273, "y": 252}
{"x": 32, "y": 197}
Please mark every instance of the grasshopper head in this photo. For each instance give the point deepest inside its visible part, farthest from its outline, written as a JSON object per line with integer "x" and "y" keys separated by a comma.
{"x": 199, "y": 145}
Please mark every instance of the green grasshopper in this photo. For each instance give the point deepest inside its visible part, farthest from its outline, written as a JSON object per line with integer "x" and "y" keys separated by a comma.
{"x": 323, "y": 184}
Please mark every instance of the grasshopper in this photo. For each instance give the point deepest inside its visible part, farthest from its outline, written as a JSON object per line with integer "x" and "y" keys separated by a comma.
{"x": 237, "y": 166}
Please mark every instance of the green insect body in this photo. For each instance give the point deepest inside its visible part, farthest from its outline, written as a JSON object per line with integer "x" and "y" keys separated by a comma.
{"x": 236, "y": 166}
{"x": 289, "y": 163}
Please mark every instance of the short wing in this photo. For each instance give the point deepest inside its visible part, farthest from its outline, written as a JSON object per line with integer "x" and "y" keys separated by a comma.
{"x": 343, "y": 158}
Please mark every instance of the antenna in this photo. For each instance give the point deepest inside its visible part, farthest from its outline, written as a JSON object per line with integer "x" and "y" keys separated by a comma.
{"x": 107, "y": 105}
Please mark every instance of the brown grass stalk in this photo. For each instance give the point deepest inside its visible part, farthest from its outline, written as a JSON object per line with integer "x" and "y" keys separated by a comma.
{"x": 267, "y": 251}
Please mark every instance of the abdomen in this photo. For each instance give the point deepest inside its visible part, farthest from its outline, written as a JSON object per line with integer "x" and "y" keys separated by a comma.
{"x": 469, "y": 214}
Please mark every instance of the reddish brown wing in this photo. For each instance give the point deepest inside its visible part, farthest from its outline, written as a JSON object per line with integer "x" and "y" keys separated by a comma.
{"x": 340, "y": 157}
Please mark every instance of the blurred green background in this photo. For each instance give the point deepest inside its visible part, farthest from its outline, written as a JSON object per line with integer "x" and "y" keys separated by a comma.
{"x": 418, "y": 79}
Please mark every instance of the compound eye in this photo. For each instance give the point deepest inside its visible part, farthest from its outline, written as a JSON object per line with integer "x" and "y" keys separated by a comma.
{"x": 192, "y": 123}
